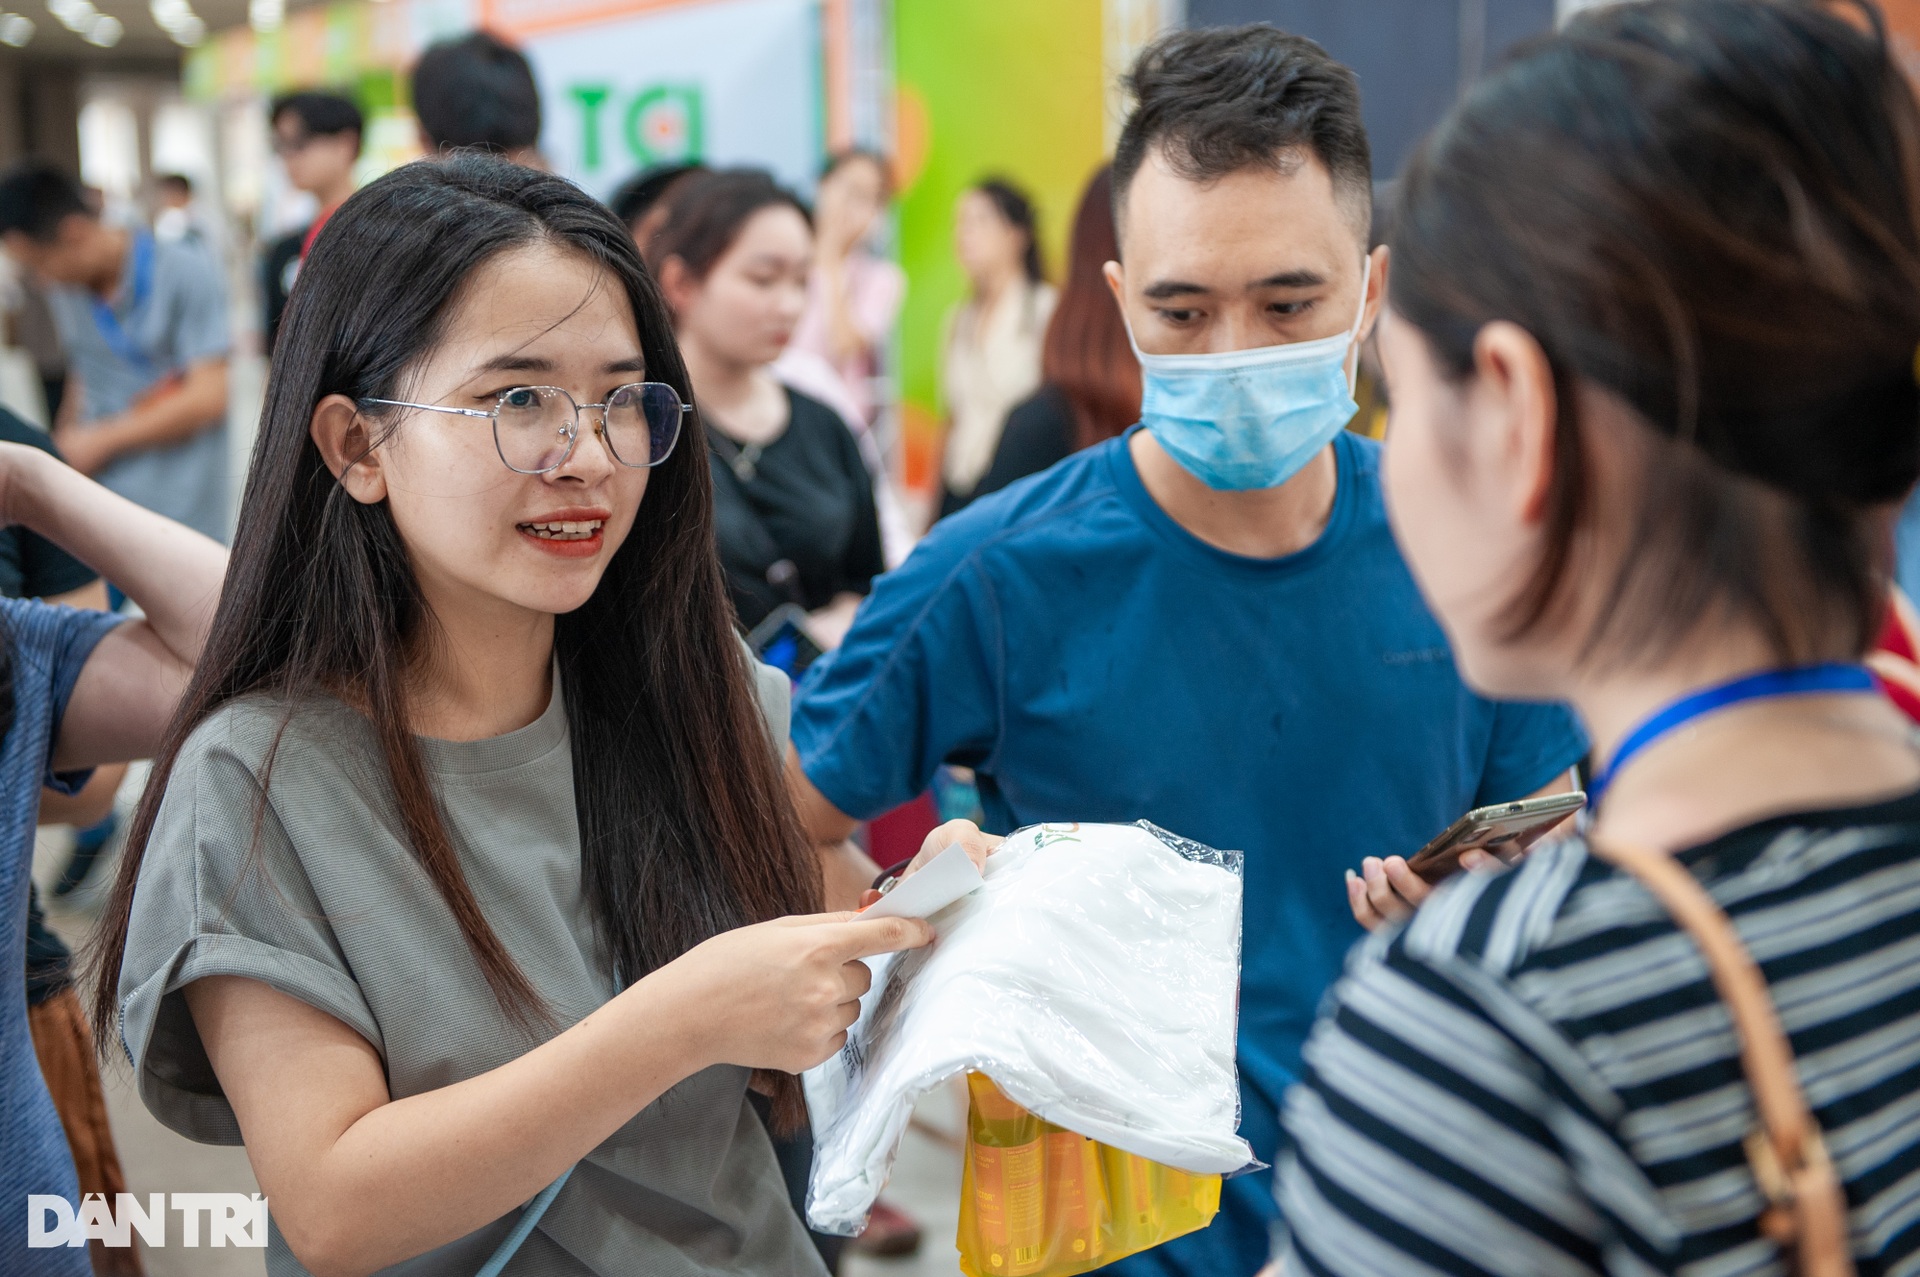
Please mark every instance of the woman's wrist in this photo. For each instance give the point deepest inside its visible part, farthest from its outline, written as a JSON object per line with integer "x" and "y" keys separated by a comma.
{"x": 664, "y": 1015}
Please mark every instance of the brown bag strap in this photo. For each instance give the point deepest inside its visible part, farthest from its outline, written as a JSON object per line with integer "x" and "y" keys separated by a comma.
{"x": 1806, "y": 1215}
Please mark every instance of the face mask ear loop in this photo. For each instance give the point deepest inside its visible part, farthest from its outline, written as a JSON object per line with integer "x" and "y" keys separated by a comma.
{"x": 1126, "y": 322}
{"x": 1353, "y": 333}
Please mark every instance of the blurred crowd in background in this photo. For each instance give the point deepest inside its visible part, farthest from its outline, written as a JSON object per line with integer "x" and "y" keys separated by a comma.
{"x": 946, "y": 228}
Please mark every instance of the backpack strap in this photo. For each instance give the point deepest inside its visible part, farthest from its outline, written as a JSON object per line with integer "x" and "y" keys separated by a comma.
{"x": 1806, "y": 1214}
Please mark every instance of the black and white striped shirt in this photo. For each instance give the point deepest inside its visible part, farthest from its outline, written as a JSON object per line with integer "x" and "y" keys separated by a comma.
{"x": 1535, "y": 1076}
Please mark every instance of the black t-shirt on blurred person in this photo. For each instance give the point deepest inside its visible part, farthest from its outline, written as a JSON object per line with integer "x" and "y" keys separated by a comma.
{"x": 795, "y": 520}
{"x": 1038, "y": 436}
{"x": 32, "y": 567}
{"x": 278, "y": 265}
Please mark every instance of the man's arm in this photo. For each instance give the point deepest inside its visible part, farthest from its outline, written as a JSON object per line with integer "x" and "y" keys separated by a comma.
{"x": 845, "y": 871}
{"x": 198, "y": 403}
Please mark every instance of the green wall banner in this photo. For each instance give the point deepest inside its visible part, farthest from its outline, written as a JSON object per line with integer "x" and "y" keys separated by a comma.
{"x": 985, "y": 88}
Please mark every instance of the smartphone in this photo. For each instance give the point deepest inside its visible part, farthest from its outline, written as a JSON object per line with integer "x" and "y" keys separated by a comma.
{"x": 782, "y": 641}
{"x": 1503, "y": 828}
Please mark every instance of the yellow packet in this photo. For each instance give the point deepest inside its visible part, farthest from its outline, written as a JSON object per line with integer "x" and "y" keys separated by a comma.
{"x": 1040, "y": 1201}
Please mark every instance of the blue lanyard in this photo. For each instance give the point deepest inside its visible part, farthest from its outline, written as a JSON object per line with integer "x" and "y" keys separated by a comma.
{"x": 141, "y": 286}
{"x": 1835, "y": 676}
{"x": 497, "y": 1262}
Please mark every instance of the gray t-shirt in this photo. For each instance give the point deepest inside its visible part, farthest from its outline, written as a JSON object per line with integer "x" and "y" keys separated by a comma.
{"x": 339, "y": 914}
{"x": 170, "y": 312}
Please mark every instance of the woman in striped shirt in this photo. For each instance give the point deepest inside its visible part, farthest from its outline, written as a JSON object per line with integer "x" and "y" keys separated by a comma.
{"x": 1654, "y": 313}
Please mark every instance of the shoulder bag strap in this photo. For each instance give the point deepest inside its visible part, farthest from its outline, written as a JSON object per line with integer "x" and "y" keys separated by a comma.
{"x": 1806, "y": 1215}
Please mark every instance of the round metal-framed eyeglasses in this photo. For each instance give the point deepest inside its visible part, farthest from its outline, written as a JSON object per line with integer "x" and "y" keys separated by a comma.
{"x": 535, "y": 427}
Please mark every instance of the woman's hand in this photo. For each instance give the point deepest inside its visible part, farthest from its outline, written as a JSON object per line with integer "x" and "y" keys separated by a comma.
{"x": 979, "y": 846}
{"x": 1388, "y": 891}
{"x": 781, "y": 994}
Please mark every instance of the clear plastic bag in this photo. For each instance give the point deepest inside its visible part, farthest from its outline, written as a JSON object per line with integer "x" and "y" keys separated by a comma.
{"x": 1094, "y": 979}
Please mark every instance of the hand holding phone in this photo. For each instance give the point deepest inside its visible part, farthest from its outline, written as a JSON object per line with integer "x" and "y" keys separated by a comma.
{"x": 1504, "y": 829}
{"x": 1385, "y": 890}
{"x": 1389, "y": 889}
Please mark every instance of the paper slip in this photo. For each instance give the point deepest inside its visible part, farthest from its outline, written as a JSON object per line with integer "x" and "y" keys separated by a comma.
{"x": 943, "y": 880}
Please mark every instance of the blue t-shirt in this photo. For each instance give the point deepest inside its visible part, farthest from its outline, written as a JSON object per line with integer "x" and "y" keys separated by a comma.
{"x": 49, "y": 646}
{"x": 1093, "y": 660}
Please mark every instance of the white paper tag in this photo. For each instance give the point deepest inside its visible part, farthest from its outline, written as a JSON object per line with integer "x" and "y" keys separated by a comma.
{"x": 941, "y": 881}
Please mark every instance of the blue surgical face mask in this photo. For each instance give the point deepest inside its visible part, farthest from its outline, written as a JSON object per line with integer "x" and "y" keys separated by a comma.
{"x": 1245, "y": 419}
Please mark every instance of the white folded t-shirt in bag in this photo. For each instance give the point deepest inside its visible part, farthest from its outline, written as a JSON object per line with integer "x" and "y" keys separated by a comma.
{"x": 1094, "y": 977}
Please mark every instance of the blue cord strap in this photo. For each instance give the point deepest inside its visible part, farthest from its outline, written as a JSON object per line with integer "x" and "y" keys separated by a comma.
{"x": 1835, "y": 676}
{"x": 107, "y": 320}
{"x": 524, "y": 1227}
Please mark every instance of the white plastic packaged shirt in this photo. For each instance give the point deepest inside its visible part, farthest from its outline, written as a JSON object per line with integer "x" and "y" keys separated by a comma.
{"x": 1094, "y": 977}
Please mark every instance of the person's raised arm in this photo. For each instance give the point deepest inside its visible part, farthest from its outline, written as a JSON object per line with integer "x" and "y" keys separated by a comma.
{"x": 132, "y": 681}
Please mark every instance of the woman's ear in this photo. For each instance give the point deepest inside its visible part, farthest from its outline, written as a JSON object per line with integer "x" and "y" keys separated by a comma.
{"x": 677, "y": 284}
{"x": 1514, "y": 376}
{"x": 346, "y": 445}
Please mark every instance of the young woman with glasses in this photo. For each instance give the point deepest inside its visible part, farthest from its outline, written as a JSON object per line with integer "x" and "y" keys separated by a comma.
{"x": 467, "y": 865}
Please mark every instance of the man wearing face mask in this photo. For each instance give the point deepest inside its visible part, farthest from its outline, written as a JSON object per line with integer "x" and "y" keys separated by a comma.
{"x": 1205, "y": 622}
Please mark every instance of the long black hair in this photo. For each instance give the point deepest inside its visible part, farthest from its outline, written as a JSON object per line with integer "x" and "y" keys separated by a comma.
{"x": 1016, "y": 210}
{"x": 685, "y": 826}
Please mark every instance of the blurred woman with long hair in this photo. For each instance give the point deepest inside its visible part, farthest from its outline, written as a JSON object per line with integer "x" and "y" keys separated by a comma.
{"x": 991, "y": 351}
{"x": 1091, "y": 386}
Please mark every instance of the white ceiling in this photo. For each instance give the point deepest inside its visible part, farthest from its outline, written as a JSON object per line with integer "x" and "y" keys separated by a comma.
{"x": 142, "y": 41}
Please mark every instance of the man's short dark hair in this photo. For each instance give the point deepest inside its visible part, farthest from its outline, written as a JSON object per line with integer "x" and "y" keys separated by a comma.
{"x": 175, "y": 181}
{"x": 321, "y": 114}
{"x": 1217, "y": 100}
{"x": 476, "y": 92}
{"x": 35, "y": 197}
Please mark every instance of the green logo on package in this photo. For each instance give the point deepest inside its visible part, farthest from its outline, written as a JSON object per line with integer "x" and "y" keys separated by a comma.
{"x": 1050, "y": 834}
